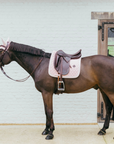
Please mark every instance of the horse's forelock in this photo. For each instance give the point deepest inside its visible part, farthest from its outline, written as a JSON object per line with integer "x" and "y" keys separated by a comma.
{"x": 5, "y": 44}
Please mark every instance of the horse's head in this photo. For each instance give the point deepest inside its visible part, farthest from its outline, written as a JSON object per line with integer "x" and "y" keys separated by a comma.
{"x": 4, "y": 55}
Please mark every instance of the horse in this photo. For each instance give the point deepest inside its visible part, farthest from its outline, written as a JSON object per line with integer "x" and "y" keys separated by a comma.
{"x": 96, "y": 72}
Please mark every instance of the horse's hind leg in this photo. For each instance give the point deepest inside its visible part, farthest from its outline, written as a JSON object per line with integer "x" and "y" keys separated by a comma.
{"x": 47, "y": 97}
{"x": 113, "y": 114}
{"x": 109, "y": 107}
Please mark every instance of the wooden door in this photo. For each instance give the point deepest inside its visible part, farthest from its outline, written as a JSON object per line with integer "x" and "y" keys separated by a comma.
{"x": 105, "y": 47}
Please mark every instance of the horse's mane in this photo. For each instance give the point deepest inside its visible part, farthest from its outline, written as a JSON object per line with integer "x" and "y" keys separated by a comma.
{"x": 28, "y": 49}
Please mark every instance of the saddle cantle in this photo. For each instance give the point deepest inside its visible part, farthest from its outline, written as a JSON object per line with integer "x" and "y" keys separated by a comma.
{"x": 64, "y": 65}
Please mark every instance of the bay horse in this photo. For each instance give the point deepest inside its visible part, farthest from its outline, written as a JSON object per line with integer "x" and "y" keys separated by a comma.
{"x": 96, "y": 72}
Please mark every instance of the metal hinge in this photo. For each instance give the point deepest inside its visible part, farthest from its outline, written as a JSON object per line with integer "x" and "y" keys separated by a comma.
{"x": 99, "y": 27}
{"x": 102, "y": 111}
{"x": 102, "y": 27}
{"x": 101, "y": 114}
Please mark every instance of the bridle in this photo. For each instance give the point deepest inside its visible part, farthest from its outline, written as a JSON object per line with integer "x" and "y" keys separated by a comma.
{"x": 1, "y": 60}
{"x": 5, "y": 50}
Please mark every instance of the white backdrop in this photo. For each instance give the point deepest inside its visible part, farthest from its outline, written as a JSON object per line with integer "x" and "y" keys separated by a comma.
{"x": 49, "y": 25}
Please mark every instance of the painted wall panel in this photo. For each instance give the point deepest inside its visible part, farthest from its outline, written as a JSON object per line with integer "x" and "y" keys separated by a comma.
{"x": 48, "y": 25}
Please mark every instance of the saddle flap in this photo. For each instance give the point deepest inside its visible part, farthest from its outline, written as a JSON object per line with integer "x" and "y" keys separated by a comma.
{"x": 61, "y": 64}
{"x": 64, "y": 67}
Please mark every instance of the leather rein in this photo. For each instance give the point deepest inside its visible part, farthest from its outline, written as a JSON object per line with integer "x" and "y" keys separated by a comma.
{"x": 1, "y": 59}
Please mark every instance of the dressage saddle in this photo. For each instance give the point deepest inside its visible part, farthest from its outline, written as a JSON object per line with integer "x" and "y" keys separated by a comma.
{"x": 62, "y": 65}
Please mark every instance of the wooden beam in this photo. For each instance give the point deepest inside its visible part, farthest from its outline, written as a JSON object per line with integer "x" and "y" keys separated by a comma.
{"x": 102, "y": 15}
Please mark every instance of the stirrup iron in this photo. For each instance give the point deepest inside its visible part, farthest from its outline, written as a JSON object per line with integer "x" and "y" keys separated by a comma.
{"x": 61, "y": 86}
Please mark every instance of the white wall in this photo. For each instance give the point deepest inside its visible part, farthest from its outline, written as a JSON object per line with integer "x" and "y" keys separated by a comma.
{"x": 49, "y": 25}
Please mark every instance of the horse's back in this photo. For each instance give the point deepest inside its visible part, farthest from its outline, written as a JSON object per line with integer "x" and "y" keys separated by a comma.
{"x": 102, "y": 60}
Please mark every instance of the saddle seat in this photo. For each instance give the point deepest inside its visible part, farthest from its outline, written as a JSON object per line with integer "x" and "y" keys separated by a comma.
{"x": 72, "y": 56}
{"x": 62, "y": 60}
{"x": 62, "y": 65}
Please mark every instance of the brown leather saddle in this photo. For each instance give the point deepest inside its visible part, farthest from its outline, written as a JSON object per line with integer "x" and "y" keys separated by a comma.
{"x": 62, "y": 65}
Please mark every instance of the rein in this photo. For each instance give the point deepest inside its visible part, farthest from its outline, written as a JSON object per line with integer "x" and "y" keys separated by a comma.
{"x": 24, "y": 79}
{"x": 21, "y": 80}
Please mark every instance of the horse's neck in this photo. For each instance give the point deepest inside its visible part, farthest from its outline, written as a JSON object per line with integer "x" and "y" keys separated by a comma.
{"x": 27, "y": 61}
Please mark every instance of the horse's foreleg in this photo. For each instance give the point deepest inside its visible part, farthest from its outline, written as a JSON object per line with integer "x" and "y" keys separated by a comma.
{"x": 109, "y": 107}
{"x": 48, "y": 104}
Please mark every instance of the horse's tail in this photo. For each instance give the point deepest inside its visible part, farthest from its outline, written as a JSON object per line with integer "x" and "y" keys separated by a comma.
{"x": 113, "y": 114}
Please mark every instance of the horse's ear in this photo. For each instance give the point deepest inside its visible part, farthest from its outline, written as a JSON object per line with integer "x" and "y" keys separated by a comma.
{"x": 8, "y": 40}
{"x": 3, "y": 42}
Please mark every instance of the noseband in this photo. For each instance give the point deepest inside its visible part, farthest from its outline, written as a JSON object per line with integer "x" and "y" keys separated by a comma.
{"x": 5, "y": 50}
{"x": 1, "y": 60}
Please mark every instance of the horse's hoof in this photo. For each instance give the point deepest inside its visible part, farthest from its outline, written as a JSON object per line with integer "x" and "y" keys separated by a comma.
{"x": 102, "y": 132}
{"x": 45, "y": 132}
{"x": 49, "y": 137}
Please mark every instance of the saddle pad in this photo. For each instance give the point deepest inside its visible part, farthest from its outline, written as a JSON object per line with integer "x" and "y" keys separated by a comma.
{"x": 74, "y": 68}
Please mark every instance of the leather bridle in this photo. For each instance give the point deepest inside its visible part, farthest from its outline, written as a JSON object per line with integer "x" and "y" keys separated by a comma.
{"x": 1, "y": 60}
{"x": 5, "y": 50}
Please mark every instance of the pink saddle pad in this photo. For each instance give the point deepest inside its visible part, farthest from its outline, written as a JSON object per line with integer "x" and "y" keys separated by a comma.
{"x": 74, "y": 68}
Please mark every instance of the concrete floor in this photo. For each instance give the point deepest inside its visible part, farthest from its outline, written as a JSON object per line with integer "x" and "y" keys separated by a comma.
{"x": 64, "y": 134}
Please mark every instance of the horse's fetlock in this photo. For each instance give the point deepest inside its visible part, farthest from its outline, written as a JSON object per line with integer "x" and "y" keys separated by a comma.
{"x": 52, "y": 128}
{"x": 106, "y": 127}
